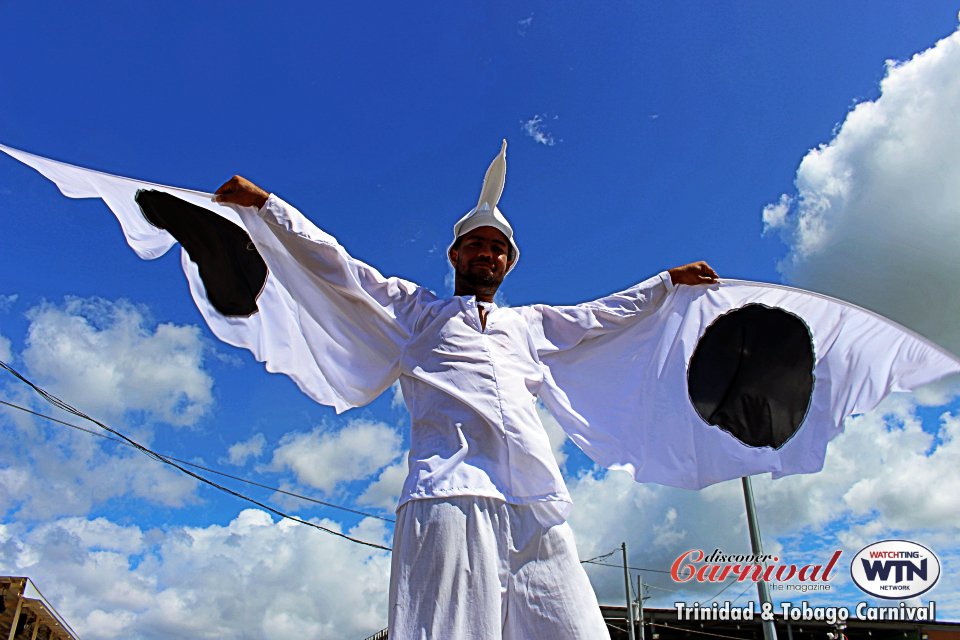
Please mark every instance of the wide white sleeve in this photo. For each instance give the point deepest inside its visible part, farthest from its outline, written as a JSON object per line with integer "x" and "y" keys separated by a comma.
{"x": 334, "y": 325}
{"x": 626, "y": 397}
{"x": 354, "y": 321}
{"x": 559, "y": 328}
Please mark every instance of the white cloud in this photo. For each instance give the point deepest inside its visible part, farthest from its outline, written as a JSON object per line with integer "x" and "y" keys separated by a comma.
{"x": 881, "y": 479}
{"x": 324, "y": 459}
{"x": 937, "y": 394}
{"x": 6, "y": 350}
{"x": 658, "y": 523}
{"x": 450, "y": 279}
{"x": 103, "y": 356}
{"x": 384, "y": 492}
{"x": 396, "y": 400}
{"x": 240, "y": 452}
{"x": 556, "y": 434}
{"x": 877, "y": 468}
{"x": 875, "y": 219}
{"x": 48, "y": 471}
{"x": 7, "y": 301}
{"x": 903, "y": 455}
{"x": 257, "y": 578}
{"x": 100, "y": 534}
{"x": 535, "y": 127}
{"x": 775, "y": 214}
{"x": 251, "y": 579}
{"x": 524, "y": 25}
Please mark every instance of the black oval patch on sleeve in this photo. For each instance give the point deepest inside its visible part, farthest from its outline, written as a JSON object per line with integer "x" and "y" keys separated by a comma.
{"x": 752, "y": 374}
{"x": 232, "y": 270}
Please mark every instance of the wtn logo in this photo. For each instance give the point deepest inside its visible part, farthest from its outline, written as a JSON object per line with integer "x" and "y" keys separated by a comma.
{"x": 903, "y": 570}
{"x": 895, "y": 569}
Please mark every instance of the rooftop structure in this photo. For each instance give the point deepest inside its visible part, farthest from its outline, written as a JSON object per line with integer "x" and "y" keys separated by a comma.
{"x": 26, "y": 615}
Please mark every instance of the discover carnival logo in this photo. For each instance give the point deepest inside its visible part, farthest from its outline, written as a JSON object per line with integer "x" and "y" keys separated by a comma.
{"x": 895, "y": 569}
{"x": 718, "y": 566}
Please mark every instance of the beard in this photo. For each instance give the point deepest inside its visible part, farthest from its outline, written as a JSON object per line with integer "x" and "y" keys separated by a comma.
{"x": 479, "y": 275}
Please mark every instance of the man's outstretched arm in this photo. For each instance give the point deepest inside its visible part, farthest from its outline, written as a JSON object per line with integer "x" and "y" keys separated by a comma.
{"x": 557, "y": 328}
{"x": 355, "y": 320}
{"x": 321, "y": 259}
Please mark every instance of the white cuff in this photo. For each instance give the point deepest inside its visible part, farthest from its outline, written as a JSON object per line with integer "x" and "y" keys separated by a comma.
{"x": 667, "y": 280}
{"x": 270, "y": 202}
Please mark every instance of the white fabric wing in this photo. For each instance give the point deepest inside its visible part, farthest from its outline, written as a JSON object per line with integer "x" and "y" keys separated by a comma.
{"x": 623, "y": 396}
{"x": 340, "y": 363}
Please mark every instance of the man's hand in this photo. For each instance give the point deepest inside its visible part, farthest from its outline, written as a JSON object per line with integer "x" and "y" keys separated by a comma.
{"x": 693, "y": 273}
{"x": 239, "y": 190}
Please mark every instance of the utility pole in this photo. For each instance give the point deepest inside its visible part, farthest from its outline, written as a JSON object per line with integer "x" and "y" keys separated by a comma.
{"x": 626, "y": 586}
{"x": 640, "y": 600}
{"x": 769, "y": 630}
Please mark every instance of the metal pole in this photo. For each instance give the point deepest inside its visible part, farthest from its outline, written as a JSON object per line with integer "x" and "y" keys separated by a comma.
{"x": 640, "y": 601}
{"x": 769, "y": 630}
{"x": 626, "y": 586}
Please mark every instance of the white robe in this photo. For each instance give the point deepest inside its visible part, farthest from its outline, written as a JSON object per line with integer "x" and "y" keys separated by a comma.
{"x": 471, "y": 391}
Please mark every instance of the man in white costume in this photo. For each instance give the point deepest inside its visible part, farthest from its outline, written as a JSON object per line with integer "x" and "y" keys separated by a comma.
{"x": 481, "y": 546}
{"x": 684, "y": 386}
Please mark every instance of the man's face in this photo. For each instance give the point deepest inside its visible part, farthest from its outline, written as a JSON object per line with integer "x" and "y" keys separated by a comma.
{"x": 481, "y": 257}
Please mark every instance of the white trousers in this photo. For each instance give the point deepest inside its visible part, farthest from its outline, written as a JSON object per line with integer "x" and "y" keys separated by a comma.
{"x": 472, "y": 568}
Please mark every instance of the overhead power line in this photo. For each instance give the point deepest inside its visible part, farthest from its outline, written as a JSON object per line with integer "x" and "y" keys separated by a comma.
{"x": 620, "y": 566}
{"x": 199, "y": 466}
{"x": 179, "y": 464}
{"x": 60, "y": 404}
{"x": 725, "y": 587}
{"x": 601, "y": 557}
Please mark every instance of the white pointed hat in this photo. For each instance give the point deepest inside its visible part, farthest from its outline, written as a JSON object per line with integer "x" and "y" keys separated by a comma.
{"x": 486, "y": 213}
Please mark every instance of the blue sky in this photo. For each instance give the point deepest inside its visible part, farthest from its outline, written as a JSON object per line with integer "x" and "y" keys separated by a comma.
{"x": 812, "y": 143}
